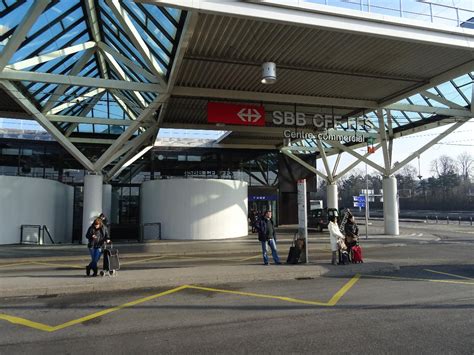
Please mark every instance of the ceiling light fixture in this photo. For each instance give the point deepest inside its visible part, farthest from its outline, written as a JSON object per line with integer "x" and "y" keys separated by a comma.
{"x": 269, "y": 73}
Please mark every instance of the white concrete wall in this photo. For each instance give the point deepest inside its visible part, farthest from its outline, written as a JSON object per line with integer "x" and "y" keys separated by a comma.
{"x": 26, "y": 200}
{"x": 196, "y": 209}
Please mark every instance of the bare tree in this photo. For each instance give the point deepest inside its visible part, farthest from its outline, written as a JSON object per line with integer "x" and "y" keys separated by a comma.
{"x": 466, "y": 165}
{"x": 444, "y": 165}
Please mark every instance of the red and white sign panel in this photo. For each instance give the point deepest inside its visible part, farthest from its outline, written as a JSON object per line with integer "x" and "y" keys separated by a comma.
{"x": 248, "y": 115}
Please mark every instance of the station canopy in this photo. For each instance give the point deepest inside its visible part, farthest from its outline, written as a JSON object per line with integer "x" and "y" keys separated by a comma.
{"x": 113, "y": 73}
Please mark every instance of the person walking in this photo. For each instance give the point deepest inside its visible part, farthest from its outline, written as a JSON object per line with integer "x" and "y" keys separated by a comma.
{"x": 352, "y": 233}
{"x": 266, "y": 234}
{"x": 334, "y": 236}
{"x": 97, "y": 234}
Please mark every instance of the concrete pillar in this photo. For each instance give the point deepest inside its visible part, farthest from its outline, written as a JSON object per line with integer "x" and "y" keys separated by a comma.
{"x": 92, "y": 206}
{"x": 390, "y": 205}
{"x": 332, "y": 195}
{"x": 107, "y": 201}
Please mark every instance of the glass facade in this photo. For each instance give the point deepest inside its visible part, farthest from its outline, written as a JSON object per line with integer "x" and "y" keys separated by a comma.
{"x": 456, "y": 13}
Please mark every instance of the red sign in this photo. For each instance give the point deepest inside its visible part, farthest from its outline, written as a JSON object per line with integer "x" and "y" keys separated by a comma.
{"x": 248, "y": 115}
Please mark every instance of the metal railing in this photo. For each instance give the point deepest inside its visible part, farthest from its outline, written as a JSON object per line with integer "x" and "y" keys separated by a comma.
{"x": 46, "y": 230}
{"x": 446, "y": 220}
{"x": 30, "y": 234}
{"x": 416, "y": 10}
{"x": 34, "y": 234}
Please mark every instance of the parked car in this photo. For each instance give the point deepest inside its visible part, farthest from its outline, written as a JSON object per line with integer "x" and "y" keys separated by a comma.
{"x": 319, "y": 218}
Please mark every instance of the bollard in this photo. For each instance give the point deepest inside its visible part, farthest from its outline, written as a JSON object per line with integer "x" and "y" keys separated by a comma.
{"x": 436, "y": 219}
{"x": 426, "y": 219}
{"x": 447, "y": 219}
{"x": 459, "y": 220}
{"x": 471, "y": 221}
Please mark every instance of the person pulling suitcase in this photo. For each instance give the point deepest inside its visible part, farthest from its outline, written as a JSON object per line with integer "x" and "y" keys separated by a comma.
{"x": 97, "y": 234}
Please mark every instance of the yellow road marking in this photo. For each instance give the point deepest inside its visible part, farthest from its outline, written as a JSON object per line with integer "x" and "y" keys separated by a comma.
{"x": 15, "y": 264}
{"x": 333, "y": 301}
{"x": 48, "y": 328}
{"x": 142, "y": 260}
{"x": 448, "y": 274}
{"x": 251, "y": 257}
{"x": 420, "y": 279}
{"x": 54, "y": 264}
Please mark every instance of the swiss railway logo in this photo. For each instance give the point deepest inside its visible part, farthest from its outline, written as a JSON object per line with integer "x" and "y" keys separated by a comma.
{"x": 249, "y": 115}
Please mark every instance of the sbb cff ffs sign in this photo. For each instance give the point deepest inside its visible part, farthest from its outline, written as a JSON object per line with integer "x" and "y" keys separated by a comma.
{"x": 248, "y": 115}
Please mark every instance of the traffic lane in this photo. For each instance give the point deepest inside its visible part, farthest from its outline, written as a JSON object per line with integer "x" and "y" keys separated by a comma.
{"x": 376, "y": 314}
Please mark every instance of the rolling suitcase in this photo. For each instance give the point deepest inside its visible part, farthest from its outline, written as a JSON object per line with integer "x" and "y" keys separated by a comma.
{"x": 293, "y": 255}
{"x": 356, "y": 254}
{"x": 111, "y": 260}
{"x": 295, "y": 251}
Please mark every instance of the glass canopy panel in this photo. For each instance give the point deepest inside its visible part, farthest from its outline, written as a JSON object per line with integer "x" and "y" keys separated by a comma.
{"x": 452, "y": 94}
{"x": 418, "y": 100}
{"x": 44, "y": 36}
{"x": 115, "y": 31}
{"x": 11, "y": 14}
{"x": 463, "y": 80}
{"x": 85, "y": 128}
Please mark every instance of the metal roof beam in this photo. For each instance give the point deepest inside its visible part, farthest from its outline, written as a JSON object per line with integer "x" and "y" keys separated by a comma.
{"x": 357, "y": 155}
{"x": 123, "y": 76}
{"x": 43, "y": 58}
{"x": 131, "y": 155}
{"x": 84, "y": 113}
{"x": 90, "y": 140}
{"x": 18, "y": 75}
{"x": 77, "y": 100}
{"x": 136, "y": 39}
{"x": 270, "y": 97}
{"x": 93, "y": 21}
{"x": 441, "y": 100}
{"x": 354, "y": 164}
{"x": 89, "y": 120}
{"x": 61, "y": 89}
{"x": 428, "y": 145}
{"x": 108, "y": 51}
{"x": 125, "y": 136}
{"x": 125, "y": 103}
{"x": 300, "y": 161}
{"x": 430, "y": 109}
{"x": 437, "y": 80}
{"x": 46, "y": 124}
{"x": 21, "y": 31}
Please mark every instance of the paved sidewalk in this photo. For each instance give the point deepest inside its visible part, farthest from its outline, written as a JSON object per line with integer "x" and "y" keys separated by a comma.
{"x": 47, "y": 282}
{"x": 51, "y": 270}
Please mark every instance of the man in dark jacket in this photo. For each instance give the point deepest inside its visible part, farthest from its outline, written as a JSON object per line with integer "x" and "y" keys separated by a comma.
{"x": 266, "y": 234}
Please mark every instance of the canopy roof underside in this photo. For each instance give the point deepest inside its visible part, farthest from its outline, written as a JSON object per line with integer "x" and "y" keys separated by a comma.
{"x": 91, "y": 68}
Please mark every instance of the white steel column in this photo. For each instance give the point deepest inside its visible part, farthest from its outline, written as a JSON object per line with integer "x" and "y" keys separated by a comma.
{"x": 92, "y": 202}
{"x": 390, "y": 205}
{"x": 332, "y": 195}
{"x": 107, "y": 200}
